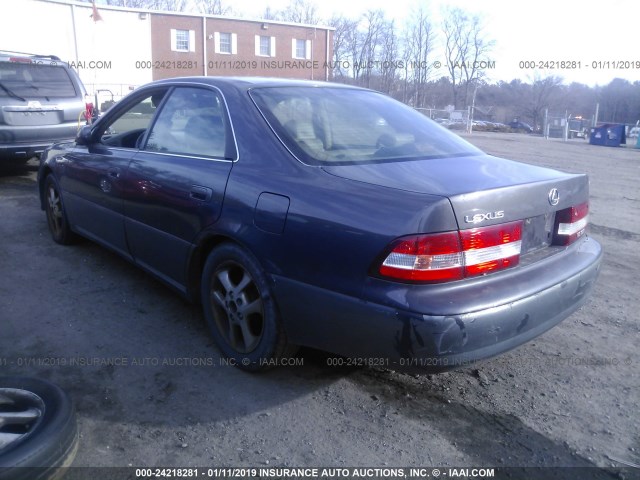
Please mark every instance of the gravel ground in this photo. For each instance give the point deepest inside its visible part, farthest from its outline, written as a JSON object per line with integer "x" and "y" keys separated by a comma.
{"x": 569, "y": 398}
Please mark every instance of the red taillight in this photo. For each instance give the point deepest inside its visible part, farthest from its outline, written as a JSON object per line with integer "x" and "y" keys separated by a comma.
{"x": 19, "y": 59}
{"x": 491, "y": 248}
{"x": 571, "y": 224}
{"x": 424, "y": 258}
{"x": 443, "y": 257}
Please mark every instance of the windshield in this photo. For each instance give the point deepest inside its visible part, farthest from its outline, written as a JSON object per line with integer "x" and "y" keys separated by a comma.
{"x": 35, "y": 80}
{"x": 325, "y": 125}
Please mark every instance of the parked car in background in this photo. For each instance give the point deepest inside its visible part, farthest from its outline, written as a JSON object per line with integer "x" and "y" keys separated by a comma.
{"x": 329, "y": 216}
{"x": 41, "y": 102}
{"x": 520, "y": 127}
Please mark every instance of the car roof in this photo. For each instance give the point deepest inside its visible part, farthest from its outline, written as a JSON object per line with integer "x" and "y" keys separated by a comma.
{"x": 7, "y": 56}
{"x": 250, "y": 82}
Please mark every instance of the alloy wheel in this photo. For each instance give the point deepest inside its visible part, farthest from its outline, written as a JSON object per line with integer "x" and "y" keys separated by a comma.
{"x": 237, "y": 307}
{"x": 20, "y": 413}
{"x": 54, "y": 211}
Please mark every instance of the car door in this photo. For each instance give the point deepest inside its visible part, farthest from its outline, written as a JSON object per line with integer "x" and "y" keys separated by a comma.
{"x": 178, "y": 180}
{"x": 93, "y": 174}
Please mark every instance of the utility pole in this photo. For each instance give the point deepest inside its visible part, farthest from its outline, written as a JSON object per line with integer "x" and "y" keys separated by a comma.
{"x": 472, "y": 112}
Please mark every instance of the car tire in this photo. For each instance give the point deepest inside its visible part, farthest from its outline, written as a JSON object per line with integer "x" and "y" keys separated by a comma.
{"x": 240, "y": 309}
{"x": 56, "y": 214}
{"x": 41, "y": 419}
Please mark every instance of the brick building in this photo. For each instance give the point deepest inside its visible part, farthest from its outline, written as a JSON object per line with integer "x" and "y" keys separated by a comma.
{"x": 208, "y": 45}
{"x": 128, "y": 47}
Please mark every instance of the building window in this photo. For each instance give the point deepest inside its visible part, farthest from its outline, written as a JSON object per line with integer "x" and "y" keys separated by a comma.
{"x": 183, "y": 40}
{"x": 265, "y": 46}
{"x": 301, "y": 48}
{"x": 226, "y": 43}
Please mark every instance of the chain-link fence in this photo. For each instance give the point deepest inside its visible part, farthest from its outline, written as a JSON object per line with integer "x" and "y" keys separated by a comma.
{"x": 107, "y": 94}
{"x": 566, "y": 126}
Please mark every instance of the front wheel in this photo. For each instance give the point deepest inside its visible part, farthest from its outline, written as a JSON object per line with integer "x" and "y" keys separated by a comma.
{"x": 56, "y": 215}
{"x": 240, "y": 309}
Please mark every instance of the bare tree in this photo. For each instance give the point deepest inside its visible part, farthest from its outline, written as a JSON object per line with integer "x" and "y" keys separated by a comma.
{"x": 388, "y": 64}
{"x": 124, "y": 3}
{"x": 465, "y": 49}
{"x": 418, "y": 44}
{"x": 163, "y": 5}
{"x": 214, "y": 7}
{"x": 366, "y": 45}
{"x": 300, "y": 11}
{"x": 169, "y": 5}
{"x": 616, "y": 102}
{"x": 540, "y": 97}
{"x": 345, "y": 30}
{"x": 269, "y": 14}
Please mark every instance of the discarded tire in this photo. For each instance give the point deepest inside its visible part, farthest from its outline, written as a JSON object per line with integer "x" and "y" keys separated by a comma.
{"x": 38, "y": 431}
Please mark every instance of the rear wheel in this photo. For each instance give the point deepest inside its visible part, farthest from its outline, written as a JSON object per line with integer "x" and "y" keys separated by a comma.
{"x": 240, "y": 309}
{"x": 56, "y": 215}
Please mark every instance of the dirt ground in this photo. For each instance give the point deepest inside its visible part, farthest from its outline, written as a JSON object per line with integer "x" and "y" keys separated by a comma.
{"x": 569, "y": 398}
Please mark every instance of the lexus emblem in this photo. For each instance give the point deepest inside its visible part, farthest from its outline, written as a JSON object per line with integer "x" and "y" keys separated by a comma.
{"x": 554, "y": 196}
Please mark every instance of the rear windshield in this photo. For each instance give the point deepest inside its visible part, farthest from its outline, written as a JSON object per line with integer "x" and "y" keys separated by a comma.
{"x": 325, "y": 125}
{"x": 35, "y": 80}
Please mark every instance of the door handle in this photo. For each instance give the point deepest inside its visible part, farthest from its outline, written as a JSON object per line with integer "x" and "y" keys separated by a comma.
{"x": 200, "y": 193}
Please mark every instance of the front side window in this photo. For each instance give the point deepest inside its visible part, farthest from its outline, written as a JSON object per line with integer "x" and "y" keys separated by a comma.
{"x": 127, "y": 129}
{"x": 347, "y": 126}
{"x": 192, "y": 122}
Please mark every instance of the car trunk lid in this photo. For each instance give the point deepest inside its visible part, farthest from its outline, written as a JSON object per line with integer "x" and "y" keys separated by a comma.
{"x": 483, "y": 190}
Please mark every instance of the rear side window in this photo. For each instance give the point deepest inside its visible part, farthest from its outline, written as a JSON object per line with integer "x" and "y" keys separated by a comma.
{"x": 36, "y": 80}
{"x": 325, "y": 125}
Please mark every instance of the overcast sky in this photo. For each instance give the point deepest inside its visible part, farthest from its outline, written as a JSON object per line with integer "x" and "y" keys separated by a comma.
{"x": 534, "y": 30}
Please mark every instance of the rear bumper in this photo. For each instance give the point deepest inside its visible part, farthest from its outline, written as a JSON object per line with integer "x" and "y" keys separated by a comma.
{"x": 18, "y": 151}
{"x": 406, "y": 339}
{"x": 24, "y": 142}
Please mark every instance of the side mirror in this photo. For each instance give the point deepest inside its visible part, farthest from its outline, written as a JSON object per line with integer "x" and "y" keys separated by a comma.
{"x": 84, "y": 135}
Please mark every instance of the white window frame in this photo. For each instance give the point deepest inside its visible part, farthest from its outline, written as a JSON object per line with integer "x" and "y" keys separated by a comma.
{"x": 272, "y": 46}
{"x": 234, "y": 43}
{"x": 191, "y": 39}
{"x": 307, "y": 48}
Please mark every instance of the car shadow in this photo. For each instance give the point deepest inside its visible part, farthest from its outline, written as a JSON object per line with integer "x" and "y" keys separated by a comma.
{"x": 489, "y": 436}
{"x": 11, "y": 168}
